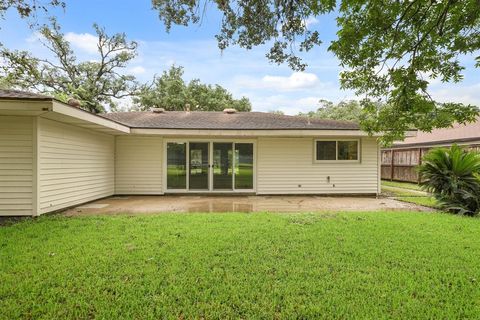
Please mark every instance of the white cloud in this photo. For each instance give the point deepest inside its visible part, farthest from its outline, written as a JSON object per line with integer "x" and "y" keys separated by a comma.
{"x": 429, "y": 77}
{"x": 310, "y": 21}
{"x": 84, "y": 41}
{"x": 297, "y": 80}
{"x": 137, "y": 70}
{"x": 289, "y": 105}
{"x": 469, "y": 94}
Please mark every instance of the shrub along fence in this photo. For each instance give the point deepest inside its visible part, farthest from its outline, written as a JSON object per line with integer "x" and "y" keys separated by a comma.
{"x": 400, "y": 164}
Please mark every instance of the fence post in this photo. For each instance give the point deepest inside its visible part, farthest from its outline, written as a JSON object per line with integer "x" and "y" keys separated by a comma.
{"x": 392, "y": 166}
{"x": 419, "y": 178}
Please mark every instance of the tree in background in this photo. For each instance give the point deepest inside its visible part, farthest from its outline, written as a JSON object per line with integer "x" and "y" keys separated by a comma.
{"x": 29, "y": 8}
{"x": 389, "y": 49}
{"x": 345, "y": 110}
{"x": 94, "y": 83}
{"x": 171, "y": 92}
{"x": 277, "y": 112}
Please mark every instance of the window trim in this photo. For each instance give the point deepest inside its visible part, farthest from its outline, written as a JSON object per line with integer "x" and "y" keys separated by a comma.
{"x": 336, "y": 150}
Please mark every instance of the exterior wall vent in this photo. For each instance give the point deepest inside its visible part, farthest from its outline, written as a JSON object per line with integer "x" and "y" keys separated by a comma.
{"x": 74, "y": 102}
{"x": 229, "y": 111}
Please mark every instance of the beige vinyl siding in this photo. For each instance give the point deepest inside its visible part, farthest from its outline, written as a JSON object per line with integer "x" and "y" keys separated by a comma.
{"x": 286, "y": 166}
{"x": 76, "y": 165}
{"x": 138, "y": 165}
{"x": 16, "y": 166}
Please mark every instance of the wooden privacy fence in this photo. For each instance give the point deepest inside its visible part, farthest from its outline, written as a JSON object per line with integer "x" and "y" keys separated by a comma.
{"x": 400, "y": 164}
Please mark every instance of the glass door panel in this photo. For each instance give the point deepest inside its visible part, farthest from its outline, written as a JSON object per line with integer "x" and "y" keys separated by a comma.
{"x": 176, "y": 165}
{"x": 222, "y": 166}
{"x": 243, "y": 166}
{"x": 199, "y": 166}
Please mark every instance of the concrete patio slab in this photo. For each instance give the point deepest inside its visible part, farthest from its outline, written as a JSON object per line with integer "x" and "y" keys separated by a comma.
{"x": 93, "y": 206}
{"x": 191, "y": 203}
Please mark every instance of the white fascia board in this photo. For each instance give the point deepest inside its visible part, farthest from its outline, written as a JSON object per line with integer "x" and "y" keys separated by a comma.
{"x": 24, "y": 107}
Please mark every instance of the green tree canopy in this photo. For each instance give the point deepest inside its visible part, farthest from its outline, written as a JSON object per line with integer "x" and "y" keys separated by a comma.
{"x": 389, "y": 49}
{"x": 94, "y": 83}
{"x": 345, "y": 110}
{"x": 171, "y": 92}
{"x": 28, "y": 8}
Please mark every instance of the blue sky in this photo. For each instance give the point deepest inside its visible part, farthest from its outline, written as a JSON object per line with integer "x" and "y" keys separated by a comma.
{"x": 244, "y": 73}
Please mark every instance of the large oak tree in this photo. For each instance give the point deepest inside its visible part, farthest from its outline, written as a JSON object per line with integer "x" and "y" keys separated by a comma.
{"x": 389, "y": 49}
{"x": 95, "y": 83}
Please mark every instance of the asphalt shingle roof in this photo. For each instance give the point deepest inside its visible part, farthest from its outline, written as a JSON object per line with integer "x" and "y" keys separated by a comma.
{"x": 204, "y": 120}
{"x": 22, "y": 95}
{"x": 225, "y": 121}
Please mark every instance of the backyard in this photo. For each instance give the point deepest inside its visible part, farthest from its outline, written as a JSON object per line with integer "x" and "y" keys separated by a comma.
{"x": 408, "y": 192}
{"x": 262, "y": 265}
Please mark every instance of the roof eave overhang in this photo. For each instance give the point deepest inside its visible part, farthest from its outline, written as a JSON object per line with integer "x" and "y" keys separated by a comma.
{"x": 58, "y": 111}
{"x": 75, "y": 116}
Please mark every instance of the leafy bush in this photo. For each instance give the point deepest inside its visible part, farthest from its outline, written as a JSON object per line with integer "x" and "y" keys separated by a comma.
{"x": 453, "y": 176}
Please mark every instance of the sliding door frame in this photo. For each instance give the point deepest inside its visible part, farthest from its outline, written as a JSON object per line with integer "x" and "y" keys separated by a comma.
{"x": 210, "y": 169}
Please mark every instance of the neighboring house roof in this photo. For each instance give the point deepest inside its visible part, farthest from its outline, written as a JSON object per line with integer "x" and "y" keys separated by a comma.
{"x": 21, "y": 95}
{"x": 225, "y": 121}
{"x": 457, "y": 134}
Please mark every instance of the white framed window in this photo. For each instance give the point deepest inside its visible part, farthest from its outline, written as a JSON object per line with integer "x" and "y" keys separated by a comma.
{"x": 337, "y": 150}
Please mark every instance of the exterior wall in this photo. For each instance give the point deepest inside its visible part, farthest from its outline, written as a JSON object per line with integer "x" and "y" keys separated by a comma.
{"x": 138, "y": 165}
{"x": 76, "y": 165}
{"x": 17, "y": 166}
{"x": 47, "y": 165}
{"x": 286, "y": 166}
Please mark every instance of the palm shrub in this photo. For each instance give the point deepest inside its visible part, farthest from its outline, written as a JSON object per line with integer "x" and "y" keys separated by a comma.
{"x": 453, "y": 176}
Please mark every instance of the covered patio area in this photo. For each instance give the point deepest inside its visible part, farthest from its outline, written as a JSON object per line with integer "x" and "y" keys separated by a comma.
{"x": 193, "y": 203}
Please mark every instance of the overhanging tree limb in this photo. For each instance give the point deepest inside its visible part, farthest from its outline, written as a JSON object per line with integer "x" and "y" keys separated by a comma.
{"x": 371, "y": 34}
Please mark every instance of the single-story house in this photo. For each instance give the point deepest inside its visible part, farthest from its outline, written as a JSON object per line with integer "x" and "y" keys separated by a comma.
{"x": 54, "y": 155}
{"x": 400, "y": 160}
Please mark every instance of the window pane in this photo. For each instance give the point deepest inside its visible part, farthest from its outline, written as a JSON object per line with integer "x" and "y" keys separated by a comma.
{"x": 176, "y": 166}
{"x": 326, "y": 150}
{"x": 347, "y": 150}
{"x": 243, "y": 165}
{"x": 198, "y": 165}
{"x": 222, "y": 166}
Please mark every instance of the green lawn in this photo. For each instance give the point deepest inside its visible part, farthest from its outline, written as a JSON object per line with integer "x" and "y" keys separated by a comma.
{"x": 405, "y": 185}
{"x": 400, "y": 192}
{"x": 251, "y": 266}
{"x": 423, "y": 201}
{"x": 408, "y": 192}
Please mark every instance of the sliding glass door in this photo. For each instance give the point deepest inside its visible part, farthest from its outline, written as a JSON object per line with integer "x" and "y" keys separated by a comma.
{"x": 209, "y": 166}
